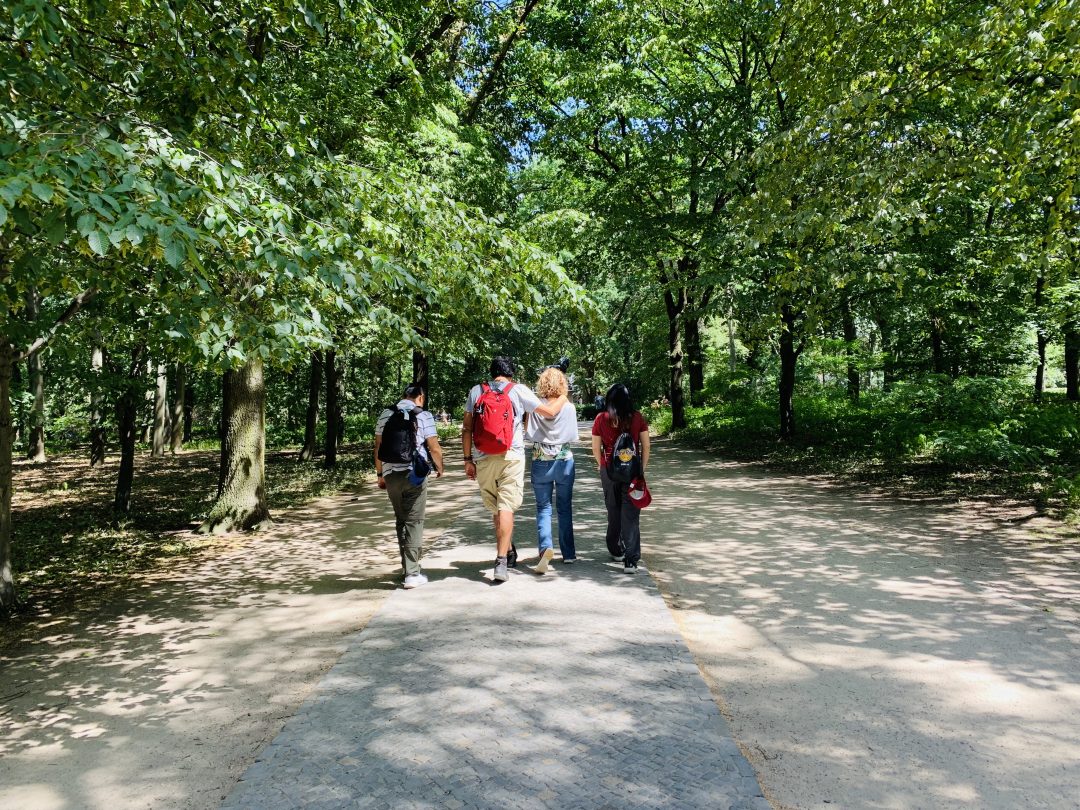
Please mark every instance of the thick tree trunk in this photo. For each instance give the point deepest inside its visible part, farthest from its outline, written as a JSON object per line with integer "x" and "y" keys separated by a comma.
{"x": 421, "y": 368}
{"x": 161, "y": 411}
{"x": 332, "y": 409}
{"x": 35, "y": 444}
{"x": 675, "y": 301}
{"x": 8, "y": 598}
{"x": 176, "y": 428}
{"x": 1072, "y": 362}
{"x": 850, "y": 338}
{"x": 97, "y": 417}
{"x": 241, "y": 502}
{"x": 127, "y": 414}
{"x": 311, "y": 422}
{"x": 789, "y": 356}
{"x": 695, "y": 359}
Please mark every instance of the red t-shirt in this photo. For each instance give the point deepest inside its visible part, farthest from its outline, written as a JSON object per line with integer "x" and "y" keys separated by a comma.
{"x": 608, "y": 433}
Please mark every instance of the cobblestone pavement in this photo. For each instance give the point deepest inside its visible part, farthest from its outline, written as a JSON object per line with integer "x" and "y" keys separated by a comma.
{"x": 569, "y": 690}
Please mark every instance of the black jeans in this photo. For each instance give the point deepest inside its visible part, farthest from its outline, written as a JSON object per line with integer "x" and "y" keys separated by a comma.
{"x": 623, "y": 520}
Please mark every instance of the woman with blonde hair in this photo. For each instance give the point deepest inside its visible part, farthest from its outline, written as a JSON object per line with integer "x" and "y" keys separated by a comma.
{"x": 553, "y": 468}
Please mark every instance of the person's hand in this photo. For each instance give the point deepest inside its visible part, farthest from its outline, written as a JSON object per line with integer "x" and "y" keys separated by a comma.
{"x": 470, "y": 470}
{"x": 382, "y": 482}
{"x": 438, "y": 473}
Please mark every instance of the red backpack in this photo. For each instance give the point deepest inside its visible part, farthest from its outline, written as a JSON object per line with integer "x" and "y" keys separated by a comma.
{"x": 493, "y": 420}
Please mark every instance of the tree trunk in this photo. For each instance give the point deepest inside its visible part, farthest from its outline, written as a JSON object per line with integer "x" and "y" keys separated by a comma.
{"x": 695, "y": 359}
{"x": 732, "y": 355}
{"x": 307, "y": 452}
{"x": 241, "y": 502}
{"x": 8, "y": 598}
{"x": 176, "y": 433}
{"x": 189, "y": 412}
{"x": 332, "y": 409}
{"x": 675, "y": 301}
{"x": 35, "y": 444}
{"x": 97, "y": 417}
{"x": 161, "y": 411}
{"x": 850, "y": 338}
{"x": 789, "y": 356}
{"x": 421, "y": 369}
{"x": 148, "y": 407}
{"x": 888, "y": 369}
{"x": 1040, "y": 338}
{"x": 937, "y": 342}
{"x": 127, "y": 417}
{"x": 1072, "y": 362}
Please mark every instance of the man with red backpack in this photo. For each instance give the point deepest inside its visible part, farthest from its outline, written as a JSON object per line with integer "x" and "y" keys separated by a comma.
{"x": 494, "y": 446}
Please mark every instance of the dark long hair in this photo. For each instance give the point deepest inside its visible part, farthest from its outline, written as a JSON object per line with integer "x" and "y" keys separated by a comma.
{"x": 620, "y": 406}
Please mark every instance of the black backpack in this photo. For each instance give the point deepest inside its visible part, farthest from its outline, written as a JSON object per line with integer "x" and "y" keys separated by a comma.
{"x": 624, "y": 464}
{"x": 399, "y": 437}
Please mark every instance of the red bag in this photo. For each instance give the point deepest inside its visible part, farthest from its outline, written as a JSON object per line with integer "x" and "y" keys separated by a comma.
{"x": 493, "y": 420}
{"x": 639, "y": 493}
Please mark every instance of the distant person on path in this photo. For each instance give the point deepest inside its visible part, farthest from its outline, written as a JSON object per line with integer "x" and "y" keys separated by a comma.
{"x": 494, "y": 447}
{"x": 623, "y": 518}
{"x": 553, "y": 468}
{"x": 400, "y": 431}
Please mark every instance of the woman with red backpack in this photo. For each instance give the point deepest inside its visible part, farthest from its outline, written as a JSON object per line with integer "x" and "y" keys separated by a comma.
{"x": 620, "y": 446}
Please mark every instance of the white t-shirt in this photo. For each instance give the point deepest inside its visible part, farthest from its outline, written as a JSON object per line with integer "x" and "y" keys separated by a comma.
{"x": 523, "y": 401}
{"x": 551, "y": 434}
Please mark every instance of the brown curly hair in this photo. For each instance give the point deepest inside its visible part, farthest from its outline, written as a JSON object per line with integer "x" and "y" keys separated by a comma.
{"x": 552, "y": 383}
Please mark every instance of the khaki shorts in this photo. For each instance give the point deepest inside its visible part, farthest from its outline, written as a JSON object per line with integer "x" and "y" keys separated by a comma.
{"x": 502, "y": 482}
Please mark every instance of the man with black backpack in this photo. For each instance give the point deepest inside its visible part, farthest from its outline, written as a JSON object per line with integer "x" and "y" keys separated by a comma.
{"x": 494, "y": 447}
{"x": 406, "y": 450}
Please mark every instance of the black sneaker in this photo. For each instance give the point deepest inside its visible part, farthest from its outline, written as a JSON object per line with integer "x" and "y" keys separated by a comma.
{"x": 511, "y": 557}
{"x": 629, "y": 567}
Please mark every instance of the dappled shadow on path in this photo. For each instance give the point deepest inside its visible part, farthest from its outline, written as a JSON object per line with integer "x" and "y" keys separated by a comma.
{"x": 932, "y": 647}
{"x": 161, "y": 693}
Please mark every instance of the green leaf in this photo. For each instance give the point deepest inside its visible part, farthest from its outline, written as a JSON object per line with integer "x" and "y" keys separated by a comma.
{"x": 86, "y": 224}
{"x": 99, "y": 242}
{"x": 42, "y": 192}
{"x": 3, "y": 216}
{"x": 175, "y": 252}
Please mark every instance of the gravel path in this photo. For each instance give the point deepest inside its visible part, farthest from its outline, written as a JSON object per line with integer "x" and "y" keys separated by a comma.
{"x": 867, "y": 652}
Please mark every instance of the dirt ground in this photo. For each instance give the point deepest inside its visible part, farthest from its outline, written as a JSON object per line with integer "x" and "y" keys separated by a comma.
{"x": 869, "y": 651}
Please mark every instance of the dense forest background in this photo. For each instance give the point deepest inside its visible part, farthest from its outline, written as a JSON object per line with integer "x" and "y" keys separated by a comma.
{"x": 798, "y": 230}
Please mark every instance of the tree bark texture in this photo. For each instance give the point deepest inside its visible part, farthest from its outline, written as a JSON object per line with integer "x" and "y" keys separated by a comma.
{"x": 1040, "y": 338}
{"x": 675, "y": 302}
{"x": 148, "y": 406}
{"x": 161, "y": 411}
{"x": 241, "y": 502}
{"x": 332, "y": 409}
{"x": 937, "y": 343}
{"x": 97, "y": 417}
{"x": 850, "y": 338}
{"x": 1072, "y": 362}
{"x": 695, "y": 359}
{"x": 421, "y": 369}
{"x": 35, "y": 444}
{"x": 8, "y": 598}
{"x": 127, "y": 413}
{"x": 311, "y": 421}
{"x": 176, "y": 428}
{"x": 789, "y": 356}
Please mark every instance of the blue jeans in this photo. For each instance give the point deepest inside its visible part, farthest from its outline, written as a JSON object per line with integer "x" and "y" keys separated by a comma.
{"x": 557, "y": 476}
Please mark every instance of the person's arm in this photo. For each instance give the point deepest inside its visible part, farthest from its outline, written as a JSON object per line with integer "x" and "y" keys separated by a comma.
{"x": 378, "y": 463}
{"x": 466, "y": 444}
{"x": 435, "y": 451}
{"x": 551, "y": 407}
{"x": 596, "y": 451}
{"x": 644, "y": 439}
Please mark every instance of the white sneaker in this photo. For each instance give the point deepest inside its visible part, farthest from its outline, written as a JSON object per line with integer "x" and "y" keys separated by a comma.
{"x": 415, "y": 581}
{"x": 545, "y": 560}
{"x": 620, "y": 558}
